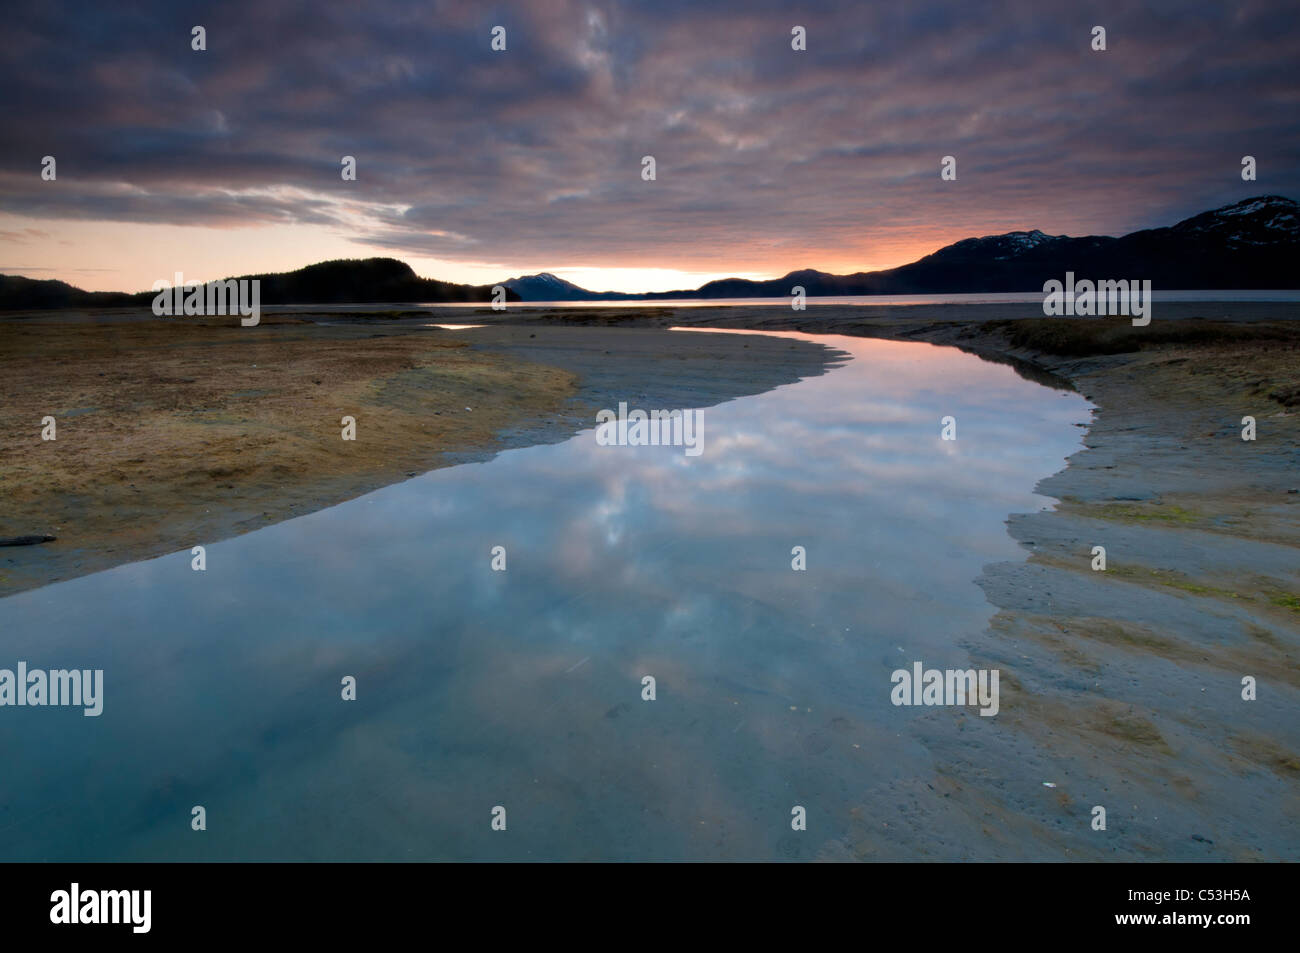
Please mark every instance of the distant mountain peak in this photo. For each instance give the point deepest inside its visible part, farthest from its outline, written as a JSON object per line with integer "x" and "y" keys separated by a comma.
{"x": 1265, "y": 207}
{"x": 1263, "y": 220}
{"x": 545, "y": 286}
{"x": 1258, "y": 204}
{"x": 540, "y": 277}
{"x": 1002, "y": 247}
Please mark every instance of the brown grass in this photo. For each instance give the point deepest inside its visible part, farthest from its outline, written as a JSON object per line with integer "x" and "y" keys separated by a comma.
{"x": 1081, "y": 337}
{"x": 179, "y": 432}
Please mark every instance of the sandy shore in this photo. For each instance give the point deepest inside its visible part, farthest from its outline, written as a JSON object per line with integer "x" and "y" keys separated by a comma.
{"x": 172, "y": 434}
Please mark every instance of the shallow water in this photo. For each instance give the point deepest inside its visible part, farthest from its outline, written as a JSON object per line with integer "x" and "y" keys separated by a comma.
{"x": 868, "y": 301}
{"x": 523, "y": 688}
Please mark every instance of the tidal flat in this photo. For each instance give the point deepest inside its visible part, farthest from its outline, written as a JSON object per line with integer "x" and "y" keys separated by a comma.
{"x": 1119, "y": 687}
{"x": 172, "y": 433}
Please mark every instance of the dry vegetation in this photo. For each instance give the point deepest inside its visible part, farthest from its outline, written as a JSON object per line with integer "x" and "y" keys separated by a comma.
{"x": 178, "y": 432}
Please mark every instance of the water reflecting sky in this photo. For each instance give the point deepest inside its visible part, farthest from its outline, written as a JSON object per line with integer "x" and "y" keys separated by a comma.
{"x": 523, "y": 688}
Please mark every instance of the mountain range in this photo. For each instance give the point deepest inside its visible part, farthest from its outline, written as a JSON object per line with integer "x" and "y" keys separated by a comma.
{"x": 1251, "y": 244}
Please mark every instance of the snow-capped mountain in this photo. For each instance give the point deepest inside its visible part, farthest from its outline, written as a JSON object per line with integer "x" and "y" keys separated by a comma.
{"x": 1254, "y": 243}
{"x": 1266, "y": 220}
{"x": 1002, "y": 247}
{"x": 547, "y": 287}
{"x": 1251, "y": 244}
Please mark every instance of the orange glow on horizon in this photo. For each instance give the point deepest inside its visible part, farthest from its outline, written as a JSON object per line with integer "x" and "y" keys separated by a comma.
{"x": 111, "y": 256}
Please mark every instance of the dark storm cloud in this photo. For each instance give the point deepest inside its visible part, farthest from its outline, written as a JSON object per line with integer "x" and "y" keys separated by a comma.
{"x": 533, "y": 155}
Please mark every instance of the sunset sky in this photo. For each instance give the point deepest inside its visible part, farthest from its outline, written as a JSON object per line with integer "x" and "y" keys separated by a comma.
{"x": 475, "y": 165}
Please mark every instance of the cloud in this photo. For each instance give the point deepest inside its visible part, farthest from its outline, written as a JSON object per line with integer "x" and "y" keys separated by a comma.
{"x": 22, "y": 235}
{"x": 533, "y": 156}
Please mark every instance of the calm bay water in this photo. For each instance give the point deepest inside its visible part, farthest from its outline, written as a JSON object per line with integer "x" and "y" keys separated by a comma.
{"x": 523, "y": 688}
{"x": 867, "y": 301}
{"x": 1016, "y": 297}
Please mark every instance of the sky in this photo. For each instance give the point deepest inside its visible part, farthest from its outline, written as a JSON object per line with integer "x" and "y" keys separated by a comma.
{"x": 476, "y": 165}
